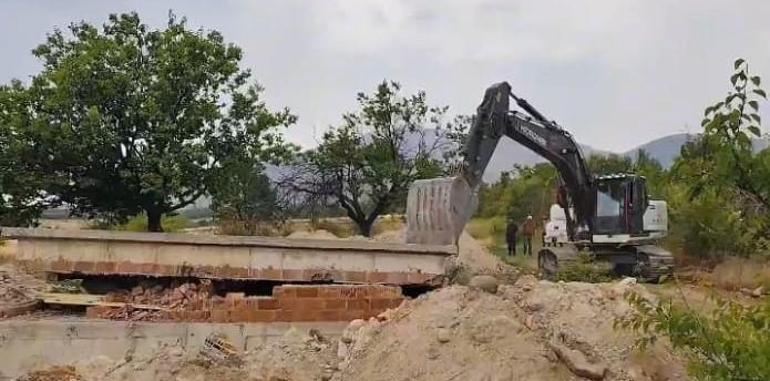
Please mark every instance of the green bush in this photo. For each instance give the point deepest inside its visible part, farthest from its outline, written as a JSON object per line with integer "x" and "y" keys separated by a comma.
{"x": 138, "y": 223}
{"x": 730, "y": 343}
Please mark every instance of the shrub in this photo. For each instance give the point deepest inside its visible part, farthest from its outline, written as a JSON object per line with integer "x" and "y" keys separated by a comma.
{"x": 731, "y": 343}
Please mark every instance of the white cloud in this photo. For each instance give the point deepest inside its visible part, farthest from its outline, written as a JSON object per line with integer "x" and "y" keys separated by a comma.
{"x": 616, "y": 73}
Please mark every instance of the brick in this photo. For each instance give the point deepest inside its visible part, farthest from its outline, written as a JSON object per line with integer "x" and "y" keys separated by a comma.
{"x": 357, "y": 304}
{"x": 306, "y": 315}
{"x": 239, "y": 315}
{"x": 396, "y": 302}
{"x": 352, "y": 314}
{"x": 262, "y": 315}
{"x": 282, "y": 292}
{"x": 335, "y": 303}
{"x": 329, "y": 315}
{"x": 329, "y": 291}
{"x": 307, "y": 292}
{"x": 235, "y": 295}
{"x": 380, "y": 303}
{"x": 310, "y": 304}
{"x": 284, "y": 315}
{"x": 267, "y": 304}
{"x": 220, "y": 316}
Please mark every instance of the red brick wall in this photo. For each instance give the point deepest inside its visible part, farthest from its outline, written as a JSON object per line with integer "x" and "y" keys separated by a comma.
{"x": 289, "y": 303}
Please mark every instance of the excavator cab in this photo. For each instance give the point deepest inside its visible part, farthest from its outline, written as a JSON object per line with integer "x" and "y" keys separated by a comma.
{"x": 621, "y": 201}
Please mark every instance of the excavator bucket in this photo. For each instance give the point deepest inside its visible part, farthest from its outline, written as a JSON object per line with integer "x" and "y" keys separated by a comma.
{"x": 437, "y": 210}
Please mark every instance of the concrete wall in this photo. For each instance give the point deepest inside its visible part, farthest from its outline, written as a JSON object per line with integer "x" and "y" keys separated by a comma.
{"x": 27, "y": 345}
{"x": 264, "y": 258}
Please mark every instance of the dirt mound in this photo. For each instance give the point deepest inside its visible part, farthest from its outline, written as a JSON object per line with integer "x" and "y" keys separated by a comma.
{"x": 534, "y": 330}
{"x": 56, "y": 373}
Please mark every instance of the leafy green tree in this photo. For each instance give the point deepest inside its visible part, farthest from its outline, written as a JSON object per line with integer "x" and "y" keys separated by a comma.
{"x": 22, "y": 198}
{"x": 725, "y": 211}
{"x": 609, "y": 164}
{"x": 130, "y": 119}
{"x": 365, "y": 165}
{"x": 245, "y": 197}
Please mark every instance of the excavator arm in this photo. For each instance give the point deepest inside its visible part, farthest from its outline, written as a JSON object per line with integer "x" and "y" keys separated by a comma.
{"x": 438, "y": 209}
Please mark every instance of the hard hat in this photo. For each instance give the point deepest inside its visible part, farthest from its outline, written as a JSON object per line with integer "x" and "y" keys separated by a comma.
{"x": 529, "y": 217}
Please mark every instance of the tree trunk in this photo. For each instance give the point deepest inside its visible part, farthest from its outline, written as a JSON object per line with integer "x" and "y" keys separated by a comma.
{"x": 154, "y": 221}
{"x": 365, "y": 228}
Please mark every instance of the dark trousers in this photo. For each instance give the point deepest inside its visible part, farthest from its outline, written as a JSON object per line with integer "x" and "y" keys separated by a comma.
{"x": 528, "y": 244}
{"x": 512, "y": 247}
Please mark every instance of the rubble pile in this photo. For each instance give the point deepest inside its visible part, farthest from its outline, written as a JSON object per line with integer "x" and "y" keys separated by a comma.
{"x": 19, "y": 292}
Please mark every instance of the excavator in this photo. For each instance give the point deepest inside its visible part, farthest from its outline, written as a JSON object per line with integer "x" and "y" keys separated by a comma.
{"x": 609, "y": 217}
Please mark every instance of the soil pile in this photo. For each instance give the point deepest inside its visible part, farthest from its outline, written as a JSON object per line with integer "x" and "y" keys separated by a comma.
{"x": 534, "y": 330}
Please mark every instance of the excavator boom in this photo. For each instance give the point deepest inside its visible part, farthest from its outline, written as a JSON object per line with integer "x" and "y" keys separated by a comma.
{"x": 438, "y": 209}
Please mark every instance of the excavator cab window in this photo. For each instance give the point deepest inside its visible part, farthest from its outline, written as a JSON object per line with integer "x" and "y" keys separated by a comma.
{"x": 621, "y": 201}
{"x": 610, "y": 205}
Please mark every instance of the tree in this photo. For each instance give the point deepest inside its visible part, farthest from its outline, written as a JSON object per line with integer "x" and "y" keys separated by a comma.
{"x": 722, "y": 208}
{"x": 245, "y": 197}
{"x": 366, "y": 164}
{"x": 22, "y": 199}
{"x": 130, "y": 119}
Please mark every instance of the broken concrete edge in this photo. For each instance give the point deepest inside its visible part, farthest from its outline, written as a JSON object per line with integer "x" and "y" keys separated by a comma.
{"x": 28, "y": 343}
{"x": 20, "y": 308}
{"x": 220, "y": 240}
{"x": 90, "y": 268}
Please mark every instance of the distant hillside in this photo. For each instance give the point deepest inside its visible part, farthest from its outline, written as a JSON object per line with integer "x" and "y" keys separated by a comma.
{"x": 664, "y": 149}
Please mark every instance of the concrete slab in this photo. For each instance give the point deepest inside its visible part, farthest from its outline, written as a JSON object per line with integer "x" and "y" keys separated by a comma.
{"x": 260, "y": 258}
{"x": 27, "y": 345}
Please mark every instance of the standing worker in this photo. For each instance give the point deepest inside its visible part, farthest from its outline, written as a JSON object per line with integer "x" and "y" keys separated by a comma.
{"x": 528, "y": 230}
{"x": 510, "y": 236}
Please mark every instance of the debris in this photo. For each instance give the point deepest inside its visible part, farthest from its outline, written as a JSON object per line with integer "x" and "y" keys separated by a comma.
{"x": 486, "y": 283}
{"x": 758, "y": 292}
{"x": 55, "y": 373}
{"x": 443, "y": 335}
{"x": 577, "y": 362}
{"x": 218, "y": 348}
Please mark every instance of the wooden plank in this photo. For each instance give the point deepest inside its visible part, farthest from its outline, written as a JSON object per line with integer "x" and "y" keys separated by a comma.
{"x": 90, "y": 300}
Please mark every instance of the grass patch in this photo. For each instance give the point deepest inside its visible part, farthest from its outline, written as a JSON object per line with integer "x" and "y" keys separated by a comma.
{"x": 138, "y": 223}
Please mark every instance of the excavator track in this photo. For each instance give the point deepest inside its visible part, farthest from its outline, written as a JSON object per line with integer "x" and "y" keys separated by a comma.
{"x": 551, "y": 260}
{"x": 653, "y": 263}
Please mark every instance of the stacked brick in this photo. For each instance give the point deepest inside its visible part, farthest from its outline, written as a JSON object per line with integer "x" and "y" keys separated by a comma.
{"x": 289, "y": 303}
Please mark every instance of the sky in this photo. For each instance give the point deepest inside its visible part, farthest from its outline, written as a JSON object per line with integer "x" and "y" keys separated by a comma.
{"x": 615, "y": 73}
